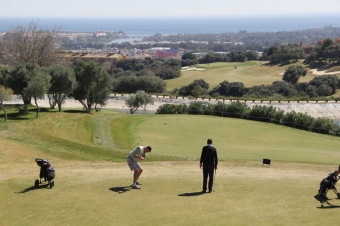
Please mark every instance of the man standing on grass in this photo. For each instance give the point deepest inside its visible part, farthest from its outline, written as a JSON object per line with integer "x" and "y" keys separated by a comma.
{"x": 138, "y": 154}
{"x": 209, "y": 162}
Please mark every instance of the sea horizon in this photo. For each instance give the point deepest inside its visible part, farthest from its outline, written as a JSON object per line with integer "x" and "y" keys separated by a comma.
{"x": 167, "y": 26}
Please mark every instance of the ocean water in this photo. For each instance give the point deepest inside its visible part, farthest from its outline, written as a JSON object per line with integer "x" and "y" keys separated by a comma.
{"x": 166, "y": 26}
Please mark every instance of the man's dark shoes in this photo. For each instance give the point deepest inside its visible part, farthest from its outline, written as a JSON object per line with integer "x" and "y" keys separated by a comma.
{"x": 209, "y": 191}
{"x": 204, "y": 191}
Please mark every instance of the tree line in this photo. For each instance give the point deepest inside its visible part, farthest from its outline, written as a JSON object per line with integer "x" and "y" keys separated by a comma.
{"x": 289, "y": 87}
{"x": 244, "y": 40}
{"x": 30, "y": 67}
{"x": 328, "y": 50}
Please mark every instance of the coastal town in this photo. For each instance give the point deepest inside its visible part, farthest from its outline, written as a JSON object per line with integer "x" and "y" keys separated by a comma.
{"x": 106, "y": 52}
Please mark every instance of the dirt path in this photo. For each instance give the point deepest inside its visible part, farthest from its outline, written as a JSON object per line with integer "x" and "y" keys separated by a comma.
{"x": 318, "y": 109}
{"x": 102, "y": 132}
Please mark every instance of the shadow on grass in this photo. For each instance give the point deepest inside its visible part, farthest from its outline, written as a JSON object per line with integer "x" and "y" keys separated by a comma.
{"x": 33, "y": 188}
{"x": 75, "y": 111}
{"x": 191, "y": 194}
{"x": 324, "y": 202}
{"x": 284, "y": 64}
{"x": 120, "y": 189}
{"x": 17, "y": 118}
{"x": 40, "y": 109}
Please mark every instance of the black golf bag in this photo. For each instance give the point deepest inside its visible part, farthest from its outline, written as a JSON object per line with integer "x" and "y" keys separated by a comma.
{"x": 328, "y": 183}
{"x": 46, "y": 172}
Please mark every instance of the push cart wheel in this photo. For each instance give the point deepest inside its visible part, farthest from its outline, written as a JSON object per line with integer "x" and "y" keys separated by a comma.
{"x": 338, "y": 194}
{"x": 36, "y": 183}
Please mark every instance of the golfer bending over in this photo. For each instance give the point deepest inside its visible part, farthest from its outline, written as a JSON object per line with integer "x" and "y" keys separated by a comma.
{"x": 209, "y": 162}
{"x": 133, "y": 159}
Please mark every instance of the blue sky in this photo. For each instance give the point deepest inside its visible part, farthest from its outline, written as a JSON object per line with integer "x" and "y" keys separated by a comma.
{"x": 36, "y": 9}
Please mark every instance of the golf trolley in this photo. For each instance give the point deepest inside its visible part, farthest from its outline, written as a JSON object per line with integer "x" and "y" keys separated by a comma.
{"x": 46, "y": 172}
{"x": 328, "y": 183}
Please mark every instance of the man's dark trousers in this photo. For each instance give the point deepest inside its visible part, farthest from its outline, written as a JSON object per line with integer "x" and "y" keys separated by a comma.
{"x": 208, "y": 170}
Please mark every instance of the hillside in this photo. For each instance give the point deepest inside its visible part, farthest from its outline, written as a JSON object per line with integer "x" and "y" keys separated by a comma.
{"x": 250, "y": 73}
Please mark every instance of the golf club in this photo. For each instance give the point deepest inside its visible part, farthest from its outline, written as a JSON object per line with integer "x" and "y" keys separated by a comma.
{"x": 214, "y": 181}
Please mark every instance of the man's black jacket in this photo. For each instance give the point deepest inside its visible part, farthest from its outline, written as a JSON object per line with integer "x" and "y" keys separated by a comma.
{"x": 209, "y": 156}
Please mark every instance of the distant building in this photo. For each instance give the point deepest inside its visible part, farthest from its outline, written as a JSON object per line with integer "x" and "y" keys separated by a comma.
{"x": 337, "y": 40}
{"x": 199, "y": 55}
{"x": 168, "y": 54}
{"x": 307, "y": 47}
{"x": 99, "y": 58}
{"x": 98, "y": 34}
{"x": 153, "y": 51}
{"x": 125, "y": 53}
{"x": 141, "y": 56}
{"x": 222, "y": 53}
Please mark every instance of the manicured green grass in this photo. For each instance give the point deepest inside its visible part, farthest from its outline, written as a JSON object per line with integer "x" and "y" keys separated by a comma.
{"x": 92, "y": 179}
{"x": 235, "y": 139}
{"x": 108, "y": 135}
{"x": 251, "y": 73}
{"x": 98, "y": 194}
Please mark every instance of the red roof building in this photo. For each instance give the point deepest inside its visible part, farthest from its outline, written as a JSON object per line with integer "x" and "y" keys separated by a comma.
{"x": 337, "y": 40}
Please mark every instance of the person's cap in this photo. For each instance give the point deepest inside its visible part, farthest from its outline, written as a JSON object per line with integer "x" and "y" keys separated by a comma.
{"x": 149, "y": 148}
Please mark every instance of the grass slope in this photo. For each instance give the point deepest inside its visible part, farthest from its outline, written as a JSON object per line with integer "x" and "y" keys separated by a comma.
{"x": 251, "y": 73}
{"x": 98, "y": 194}
{"x": 90, "y": 191}
{"x": 236, "y": 139}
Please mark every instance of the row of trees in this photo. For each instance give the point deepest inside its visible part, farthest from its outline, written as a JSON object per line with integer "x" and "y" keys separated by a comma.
{"x": 87, "y": 82}
{"x": 30, "y": 67}
{"x": 211, "y": 57}
{"x": 275, "y": 54}
{"x": 164, "y": 69}
{"x": 327, "y": 51}
{"x": 283, "y": 54}
{"x": 324, "y": 85}
{"x": 257, "y": 113}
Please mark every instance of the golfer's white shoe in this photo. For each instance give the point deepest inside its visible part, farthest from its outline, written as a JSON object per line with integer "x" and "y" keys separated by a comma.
{"x": 134, "y": 186}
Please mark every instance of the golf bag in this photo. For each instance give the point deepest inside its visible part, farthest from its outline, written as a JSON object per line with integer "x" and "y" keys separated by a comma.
{"x": 46, "y": 172}
{"x": 328, "y": 183}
